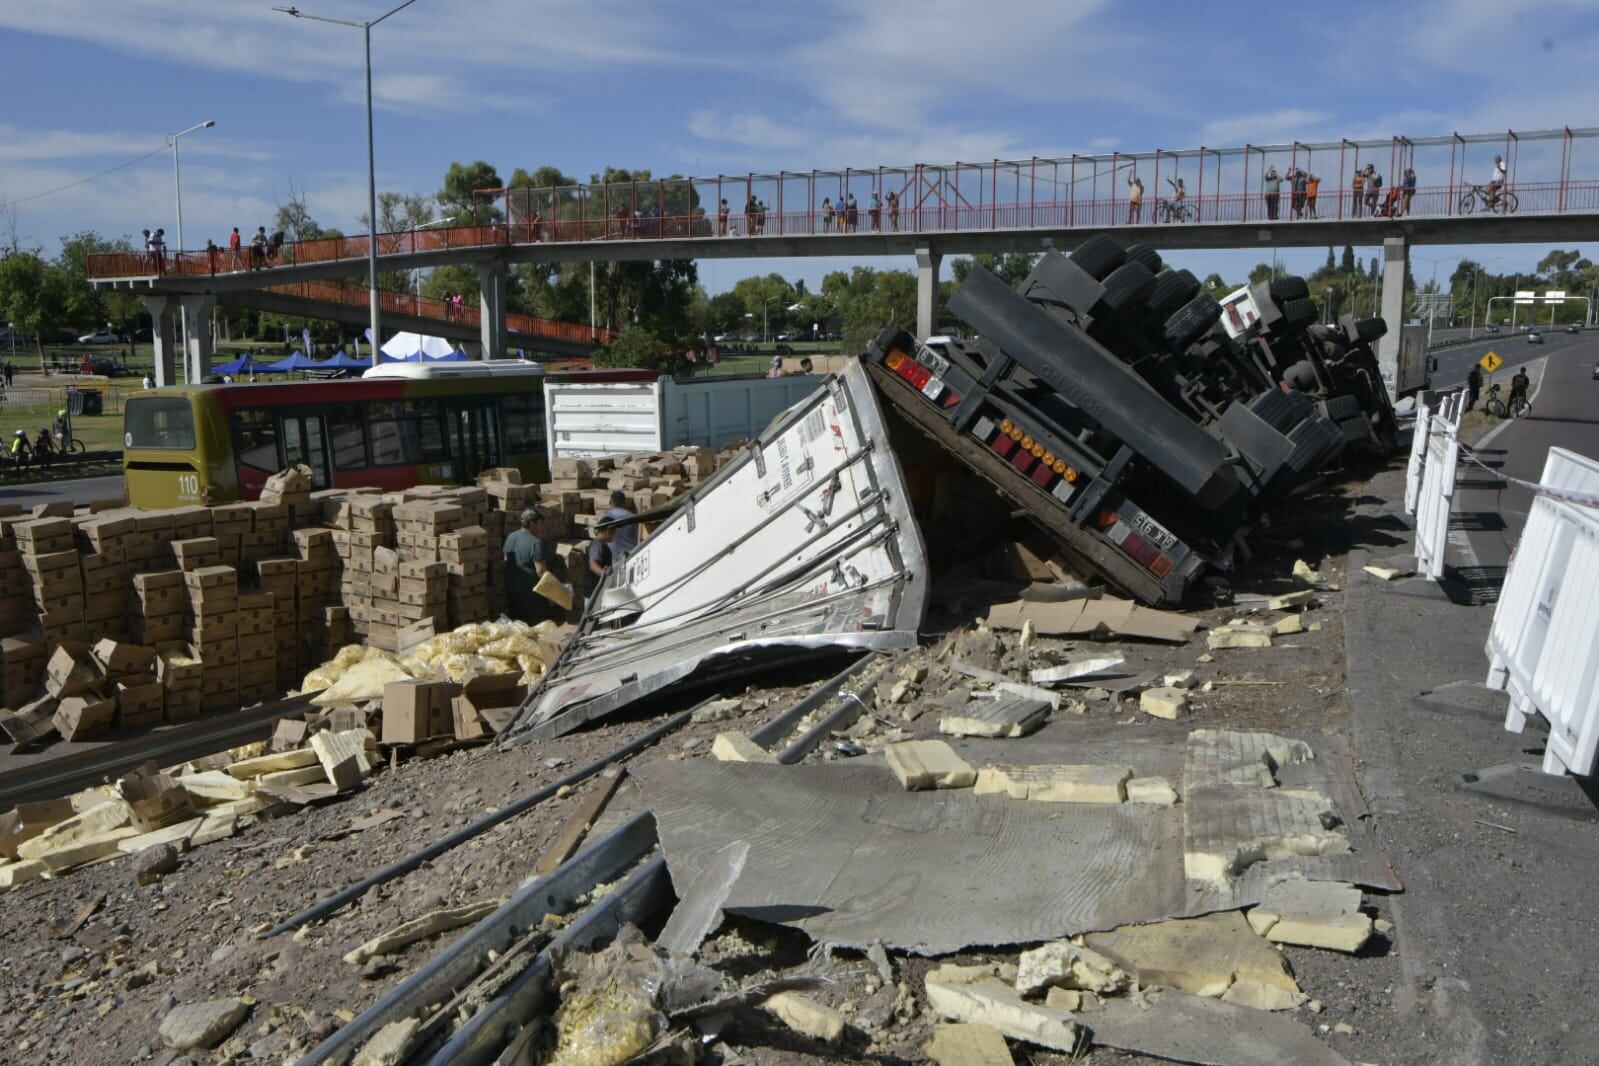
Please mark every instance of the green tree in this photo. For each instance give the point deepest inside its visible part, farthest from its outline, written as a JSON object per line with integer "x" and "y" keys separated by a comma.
{"x": 1011, "y": 267}
{"x": 460, "y": 182}
{"x": 1346, "y": 263}
{"x": 645, "y": 349}
{"x": 294, "y": 217}
{"x": 1216, "y": 286}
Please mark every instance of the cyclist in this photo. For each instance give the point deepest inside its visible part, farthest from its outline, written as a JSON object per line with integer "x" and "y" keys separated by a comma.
{"x": 1497, "y": 185}
{"x": 1473, "y": 387}
{"x": 44, "y": 446}
{"x": 21, "y": 451}
{"x": 1518, "y": 387}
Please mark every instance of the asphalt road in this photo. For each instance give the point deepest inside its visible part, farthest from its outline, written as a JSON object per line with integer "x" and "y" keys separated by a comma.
{"x": 1454, "y": 363}
{"x": 80, "y": 491}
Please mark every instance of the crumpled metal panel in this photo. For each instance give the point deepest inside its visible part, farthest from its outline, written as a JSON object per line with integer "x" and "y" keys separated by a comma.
{"x": 805, "y": 542}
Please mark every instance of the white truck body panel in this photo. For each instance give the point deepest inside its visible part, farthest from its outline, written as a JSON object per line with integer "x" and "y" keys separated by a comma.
{"x": 586, "y": 421}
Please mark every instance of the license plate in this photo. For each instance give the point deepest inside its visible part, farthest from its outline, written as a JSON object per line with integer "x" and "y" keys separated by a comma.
{"x": 933, "y": 361}
{"x": 1152, "y": 530}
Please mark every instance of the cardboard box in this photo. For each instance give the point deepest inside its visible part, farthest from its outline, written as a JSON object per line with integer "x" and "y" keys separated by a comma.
{"x": 211, "y": 580}
{"x": 78, "y": 717}
{"x": 183, "y": 705}
{"x": 176, "y": 675}
{"x": 416, "y": 710}
{"x": 197, "y": 552}
{"x": 191, "y": 522}
{"x": 43, "y": 536}
{"x": 116, "y": 658}
{"x": 70, "y": 671}
{"x": 139, "y": 702}
{"x": 486, "y": 704}
{"x": 154, "y": 798}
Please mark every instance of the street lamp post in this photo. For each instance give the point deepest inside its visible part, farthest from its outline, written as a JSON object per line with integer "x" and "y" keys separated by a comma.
{"x": 371, "y": 158}
{"x": 177, "y": 188}
{"x": 766, "y": 334}
{"x": 1471, "y": 331}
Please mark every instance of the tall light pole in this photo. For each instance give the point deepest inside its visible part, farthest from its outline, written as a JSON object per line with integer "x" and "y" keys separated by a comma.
{"x": 766, "y": 334}
{"x": 177, "y": 188}
{"x": 371, "y": 158}
{"x": 1471, "y": 331}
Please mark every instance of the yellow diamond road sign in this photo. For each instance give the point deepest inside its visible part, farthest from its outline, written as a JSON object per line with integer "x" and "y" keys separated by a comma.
{"x": 1491, "y": 362}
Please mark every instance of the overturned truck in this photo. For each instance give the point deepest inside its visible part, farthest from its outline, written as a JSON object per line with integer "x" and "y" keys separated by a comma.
{"x": 1134, "y": 418}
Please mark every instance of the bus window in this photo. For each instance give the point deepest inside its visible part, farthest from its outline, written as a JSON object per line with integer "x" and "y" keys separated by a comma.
{"x": 256, "y": 438}
{"x": 348, "y": 430}
{"x": 158, "y": 422}
{"x": 430, "y": 436}
{"x": 524, "y": 423}
{"x": 393, "y": 437}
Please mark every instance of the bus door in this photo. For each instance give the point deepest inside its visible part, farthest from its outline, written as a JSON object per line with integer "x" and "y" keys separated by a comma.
{"x": 305, "y": 442}
{"x": 475, "y": 438}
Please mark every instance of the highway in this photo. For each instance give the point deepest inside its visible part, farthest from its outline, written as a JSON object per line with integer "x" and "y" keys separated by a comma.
{"x": 1565, "y": 414}
{"x": 1454, "y": 363}
{"x": 80, "y": 491}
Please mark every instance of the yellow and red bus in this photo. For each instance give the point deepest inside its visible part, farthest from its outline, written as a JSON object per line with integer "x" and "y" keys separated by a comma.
{"x": 401, "y": 424}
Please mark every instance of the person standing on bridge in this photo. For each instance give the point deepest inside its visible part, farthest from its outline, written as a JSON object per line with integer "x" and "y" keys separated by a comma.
{"x": 158, "y": 250}
{"x": 1272, "y": 182}
{"x": 1357, "y": 192}
{"x": 1135, "y": 199}
{"x": 258, "y": 245}
{"x": 1298, "y": 180}
{"x": 893, "y": 210}
{"x": 827, "y": 214}
{"x": 1312, "y": 188}
{"x": 852, "y": 214}
{"x": 721, "y": 218}
{"x": 234, "y": 262}
{"x": 1408, "y": 191}
{"x": 874, "y": 212}
{"x": 1373, "y": 189}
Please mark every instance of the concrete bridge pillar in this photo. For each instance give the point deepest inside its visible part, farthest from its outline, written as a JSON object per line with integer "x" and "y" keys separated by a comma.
{"x": 197, "y": 312}
{"x": 163, "y": 331}
{"x": 1395, "y": 260}
{"x": 927, "y": 262}
{"x": 491, "y": 303}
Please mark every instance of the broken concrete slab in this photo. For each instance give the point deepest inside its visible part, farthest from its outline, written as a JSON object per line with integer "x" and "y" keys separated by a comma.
{"x": 1301, "y": 598}
{"x": 1167, "y": 703}
{"x": 1317, "y": 914}
{"x": 1104, "y": 617}
{"x": 1288, "y": 626}
{"x": 1205, "y": 955}
{"x": 807, "y": 1017}
{"x": 201, "y": 1026}
{"x": 738, "y": 747}
{"x": 1233, "y": 638}
{"x": 1056, "y": 784}
{"x": 977, "y": 995}
{"x": 1152, "y": 791}
{"x": 1071, "y": 1000}
{"x": 995, "y": 718}
{"x": 1063, "y": 964}
{"x": 14, "y": 874}
{"x": 928, "y": 764}
{"x": 390, "y": 1045}
{"x": 964, "y": 1044}
{"x": 88, "y": 824}
{"x": 1196, "y": 1029}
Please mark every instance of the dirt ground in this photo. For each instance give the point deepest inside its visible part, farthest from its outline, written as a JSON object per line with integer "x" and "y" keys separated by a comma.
{"x": 97, "y": 994}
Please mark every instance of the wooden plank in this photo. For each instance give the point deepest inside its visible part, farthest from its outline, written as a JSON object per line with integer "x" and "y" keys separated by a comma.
{"x": 571, "y": 834}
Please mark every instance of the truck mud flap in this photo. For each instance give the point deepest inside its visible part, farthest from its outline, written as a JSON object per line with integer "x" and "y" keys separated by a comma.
{"x": 804, "y": 543}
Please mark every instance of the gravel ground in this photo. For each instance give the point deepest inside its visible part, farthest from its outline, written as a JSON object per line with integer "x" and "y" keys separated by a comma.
{"x": 97, "y": 995}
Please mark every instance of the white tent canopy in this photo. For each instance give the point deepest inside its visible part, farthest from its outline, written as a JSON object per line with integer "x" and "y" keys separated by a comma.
{"x": 406, "y": 345}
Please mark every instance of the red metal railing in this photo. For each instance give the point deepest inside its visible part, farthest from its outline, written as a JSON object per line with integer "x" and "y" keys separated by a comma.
{"x": 468, "y": 314}
{"x": 1222, "y": 186}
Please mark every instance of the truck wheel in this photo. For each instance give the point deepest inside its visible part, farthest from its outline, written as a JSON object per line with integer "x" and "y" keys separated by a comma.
{"x": 1172, "y": 289}
{"x": 1281, "y": 410}
{"x": 1191, "y": 321}
{"x": 1292, "y": 287}
{"x": 1126, "y": 289}
{"x": 1297, "y": 314}
{"x": 1370, "y": 329}
{"x": 1098, "y": 256}
{"x": 1343, "y": 407}
{"x": 1145, "y": 254}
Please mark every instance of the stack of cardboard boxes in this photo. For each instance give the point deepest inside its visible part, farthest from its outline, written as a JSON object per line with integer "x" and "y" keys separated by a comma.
{"x": 212, "y": 629}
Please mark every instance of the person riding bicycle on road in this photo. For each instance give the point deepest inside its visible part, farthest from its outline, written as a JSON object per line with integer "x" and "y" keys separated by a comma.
{"x": 21, "y": 450}
{"x": 1519, "y": 386}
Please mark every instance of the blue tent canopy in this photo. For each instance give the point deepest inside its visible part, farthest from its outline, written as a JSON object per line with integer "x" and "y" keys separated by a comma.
{"x": 242, "y": 365}
{"x": 344, "y": 361}
{"x": 298, "y": 361}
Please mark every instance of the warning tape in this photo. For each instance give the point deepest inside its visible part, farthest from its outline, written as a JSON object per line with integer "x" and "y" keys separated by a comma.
{"x": 1581, "y": 499}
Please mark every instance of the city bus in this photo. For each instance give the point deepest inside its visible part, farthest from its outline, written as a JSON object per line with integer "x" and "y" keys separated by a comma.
{"x": 400, "y": 424}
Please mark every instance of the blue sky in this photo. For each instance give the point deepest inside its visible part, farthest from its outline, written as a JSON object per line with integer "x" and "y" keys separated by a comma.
{"x": 711, "y": 87}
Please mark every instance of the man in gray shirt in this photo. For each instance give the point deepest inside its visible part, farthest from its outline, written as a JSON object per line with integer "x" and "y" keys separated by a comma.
{"x": 627, "y": 535}
{"x": 524, "y": 565}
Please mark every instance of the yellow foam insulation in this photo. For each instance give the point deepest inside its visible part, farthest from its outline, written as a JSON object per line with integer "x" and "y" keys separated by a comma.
{"x": 359, "y": 673}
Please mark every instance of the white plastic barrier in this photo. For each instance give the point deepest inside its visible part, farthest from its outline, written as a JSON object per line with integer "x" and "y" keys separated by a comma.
{"x": 1543, "y": 647}
{"x": 1436, "y": 496}
{"x": 1418, "y": 456}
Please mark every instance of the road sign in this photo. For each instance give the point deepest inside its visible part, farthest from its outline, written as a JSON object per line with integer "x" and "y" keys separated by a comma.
{"x": 1491, "y": 362}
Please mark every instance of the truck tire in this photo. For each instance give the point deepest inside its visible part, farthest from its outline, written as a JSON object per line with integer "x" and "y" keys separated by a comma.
{"x": 1191, "y": 321}
{"x": 1342, "y": 407}
{"x": 1145, "y": 254}
{"x": 1297, "y": 314}
{"x": 1370, "y": 329}
{"x": 1126, "y": 289}
{"x": 1282, "y": 410}
{"x": 1315, "y": 440}
{"x": 1172, "y": 289}
{"x": 1098, "y": 256}
{"x": 1292, "y": 287}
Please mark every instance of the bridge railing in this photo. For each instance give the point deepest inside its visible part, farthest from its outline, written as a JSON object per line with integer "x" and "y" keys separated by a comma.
{"x": 946, "y": 215}
{"x": 465, "y": 313}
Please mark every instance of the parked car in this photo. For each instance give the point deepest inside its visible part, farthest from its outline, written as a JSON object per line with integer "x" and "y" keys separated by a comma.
{"x": 100, "y": 336}
{"x": 1534, "y": 338}
{"x": 1490, "y": 329}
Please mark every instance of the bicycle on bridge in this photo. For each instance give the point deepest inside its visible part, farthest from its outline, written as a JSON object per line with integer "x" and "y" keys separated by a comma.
{"x": 1177, "y": 209}
{"x": 1491, "y": 198}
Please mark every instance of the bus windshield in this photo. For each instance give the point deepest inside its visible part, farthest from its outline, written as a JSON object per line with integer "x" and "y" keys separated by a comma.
{"x": 158, "y": 422}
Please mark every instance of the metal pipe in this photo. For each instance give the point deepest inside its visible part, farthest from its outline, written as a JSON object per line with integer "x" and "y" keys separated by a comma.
{"x": 850, "y": 706}
{"x": 467, "y": 832}
{"x": 779, "y": 727}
